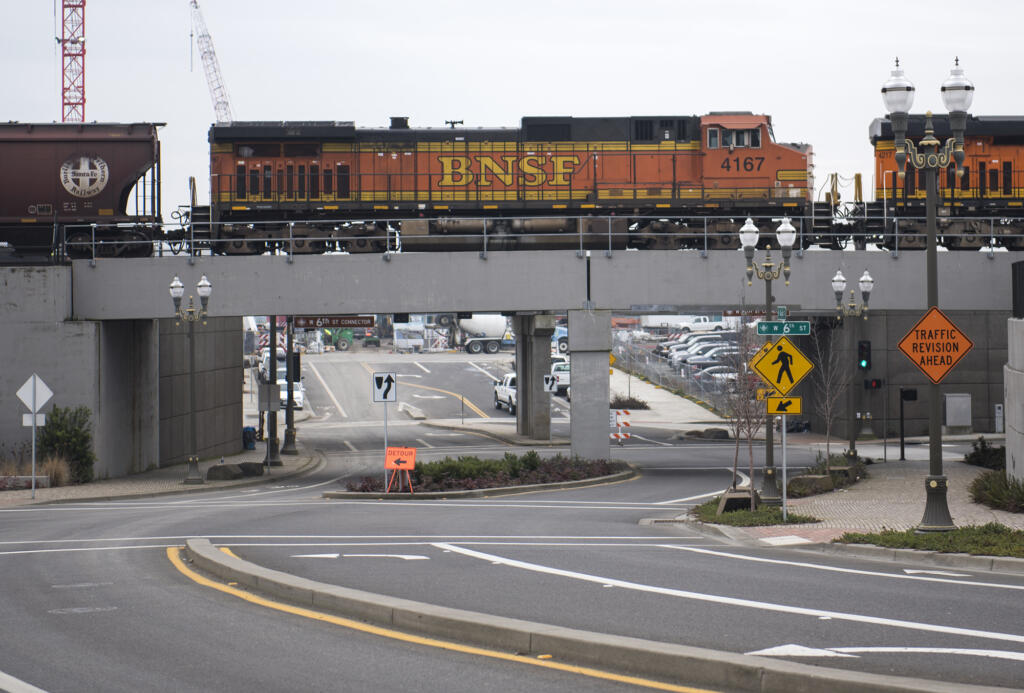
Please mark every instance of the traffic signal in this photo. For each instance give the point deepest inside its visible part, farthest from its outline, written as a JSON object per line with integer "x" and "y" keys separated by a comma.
{"x": 873, "y": 384}
{"x": 864, "y": 354}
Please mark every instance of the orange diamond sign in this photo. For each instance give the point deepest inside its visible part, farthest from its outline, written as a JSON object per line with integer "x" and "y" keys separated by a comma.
{"x": 935, "y": 345}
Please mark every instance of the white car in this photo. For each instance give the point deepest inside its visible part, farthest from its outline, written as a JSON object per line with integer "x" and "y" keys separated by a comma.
{"x": 561, "y": 373}
{"x": 298, "y": 393}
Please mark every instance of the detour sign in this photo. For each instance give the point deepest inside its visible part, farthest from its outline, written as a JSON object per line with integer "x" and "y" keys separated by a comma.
{"x": 400, "y": 458}
{"x": 935, "y": 345}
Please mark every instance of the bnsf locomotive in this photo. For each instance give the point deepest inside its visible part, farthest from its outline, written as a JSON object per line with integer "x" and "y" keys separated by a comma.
{"x": 329, "y": 184}
{"x": 983, "y": 206}
{"x": 71, "y": 183}
{"x": 638, "y": 182}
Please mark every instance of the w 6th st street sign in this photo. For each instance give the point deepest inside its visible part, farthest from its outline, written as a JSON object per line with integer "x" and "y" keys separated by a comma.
{"x": 791, "y": 327}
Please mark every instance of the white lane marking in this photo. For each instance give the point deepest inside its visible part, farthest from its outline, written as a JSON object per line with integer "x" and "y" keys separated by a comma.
{"x": 420, "y": 365}
{"x": 330, "y": 394}
{"x": 797, "y": 651}
{"x": 80, "y": 585}
{"x": 483, "y": 371}
{"x": 419, "y": 396}
{"x": 785, "y": 540}
{"x": 424, "y": 443}
{"x": 428, "y": 538}
{"x": 733, "y": 601}
{"x": 744, "y": 481}
{"x": 410, "y": 375}
{"x": 82, "y": 610}
{"x": 403, "y": 556}
{"x": 316, "y": 555}
{"x": 801, "y": 651}
{"x": 908, "y": 571}
{"x": 85, "y": 548}
{"x": 656, "y": 442}
{"x": 350, "y": 446}
{"x": 12, "y": 685}
{"x": 853, "y": 571}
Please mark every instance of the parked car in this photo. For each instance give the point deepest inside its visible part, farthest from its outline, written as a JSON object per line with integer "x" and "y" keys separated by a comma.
{"x": 680, "y": 357}
{"x": 715, "y": 377}
{"x": 298, "y": 393}
{"x": 505, "y": 393}
{"x": 561, "y": 373}
{"x": 718, "y": 355}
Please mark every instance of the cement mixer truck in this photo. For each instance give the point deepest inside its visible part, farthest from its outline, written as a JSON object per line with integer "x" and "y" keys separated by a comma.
{"x": 485, "y": 332}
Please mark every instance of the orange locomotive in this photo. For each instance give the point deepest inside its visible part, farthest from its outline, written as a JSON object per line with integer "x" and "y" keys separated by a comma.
{"x": 982, "y": 208}
{"x": 334, "y": 186}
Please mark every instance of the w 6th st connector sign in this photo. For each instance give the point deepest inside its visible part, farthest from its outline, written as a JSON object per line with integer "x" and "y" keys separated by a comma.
{"x": 935, "y": 345}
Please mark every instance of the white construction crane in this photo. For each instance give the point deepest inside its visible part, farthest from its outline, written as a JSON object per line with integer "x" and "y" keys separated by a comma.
{"x": 214, "y": 80}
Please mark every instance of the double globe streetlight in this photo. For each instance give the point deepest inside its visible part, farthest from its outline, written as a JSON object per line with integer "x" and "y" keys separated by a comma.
{"x": 768, "y": 271}
{"x": 192, "y": 315}
{"x": 930, "y": 155}
{"x": 852, "y": 310}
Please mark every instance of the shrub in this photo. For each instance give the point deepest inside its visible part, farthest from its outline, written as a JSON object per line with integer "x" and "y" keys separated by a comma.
{"x": 57, "y": 468}
{"x": 994, "y": 489}
{"x": 984, "y": 454}
{"x": 470, "y": 472}
{"x": 850, "y": 469}
{"x": 620, "y": 402}
{"x": 68, "y": 434}
{"x": 992, "y": 539}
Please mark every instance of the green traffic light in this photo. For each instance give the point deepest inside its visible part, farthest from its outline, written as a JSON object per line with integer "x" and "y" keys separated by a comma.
{"x": 863, "y": 363}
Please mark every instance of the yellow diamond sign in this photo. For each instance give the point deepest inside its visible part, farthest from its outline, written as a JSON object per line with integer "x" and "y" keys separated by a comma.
{"x": 781, "y": 365}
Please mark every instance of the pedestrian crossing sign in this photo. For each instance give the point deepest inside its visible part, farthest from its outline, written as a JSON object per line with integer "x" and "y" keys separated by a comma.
{"x": 781, "y": 365}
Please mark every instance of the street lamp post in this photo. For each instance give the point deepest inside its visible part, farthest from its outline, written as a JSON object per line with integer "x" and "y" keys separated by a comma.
{"x": 852, "y": 310}
{"x": 768, "y": 271}
{"x": 930, "y": 155}
{"x": 192, "y": 315}
{"x": 273, "y": 456}
{"x": 288, "y": 447}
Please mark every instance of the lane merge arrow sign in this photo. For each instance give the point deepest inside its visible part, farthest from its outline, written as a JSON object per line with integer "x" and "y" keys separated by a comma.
{"x": 385, "y": 387}
{"x": 785, "y": 405}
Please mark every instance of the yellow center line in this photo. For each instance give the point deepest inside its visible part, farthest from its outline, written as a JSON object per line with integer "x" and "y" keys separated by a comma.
{"x": 469, "y": 404}
{"x": 174, "y": 555}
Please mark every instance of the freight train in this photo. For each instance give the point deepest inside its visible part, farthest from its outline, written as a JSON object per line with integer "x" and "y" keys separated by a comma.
{"x": 664, "y": 182}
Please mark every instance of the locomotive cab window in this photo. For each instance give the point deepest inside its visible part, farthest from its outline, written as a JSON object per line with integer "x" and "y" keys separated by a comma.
{"x": 713, "y": 138}
{"x": 755, "y": 138}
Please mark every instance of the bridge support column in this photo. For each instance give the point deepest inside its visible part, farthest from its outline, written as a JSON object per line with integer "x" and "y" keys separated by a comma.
{"x": 590, "y": 342}
{"x": 533, "y": 362}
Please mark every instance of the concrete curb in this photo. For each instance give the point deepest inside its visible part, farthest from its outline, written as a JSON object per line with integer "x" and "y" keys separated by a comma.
{"x": 482, "y": 492}
{"x": 413, "y": 412}
{"x": 682, "y": 663}
{"x": 496, "y": 435}
{"x": 314, "y": 462}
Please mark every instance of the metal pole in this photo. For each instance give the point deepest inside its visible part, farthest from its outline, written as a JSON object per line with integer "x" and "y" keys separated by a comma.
{"x": 288, "y": 448}
{"x": 936, "y": 512}
{"x": 385, "y": 443}
{"x": 903, "y": 452}
{"x": 192, "y": 388}
{"x": 34, "y": 409}
{"x": 769, "y": 487}
{"x": 273, "y": 458}
{"x": 784, "y": 515}
{"x": 851, "y": 395}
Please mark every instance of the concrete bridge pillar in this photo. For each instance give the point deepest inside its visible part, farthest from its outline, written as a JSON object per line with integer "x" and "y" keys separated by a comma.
{"x": 590, "y": 342}
{"x": 533, "y": 362}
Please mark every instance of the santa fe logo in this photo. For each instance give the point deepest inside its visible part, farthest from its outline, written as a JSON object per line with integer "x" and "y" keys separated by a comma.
{"x": 84, "y": 176}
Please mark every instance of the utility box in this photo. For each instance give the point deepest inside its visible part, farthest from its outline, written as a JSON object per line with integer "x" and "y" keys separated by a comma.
{"x": 958, "y": 414}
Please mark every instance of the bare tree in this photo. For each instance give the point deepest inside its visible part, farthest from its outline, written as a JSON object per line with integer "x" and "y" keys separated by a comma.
{"x": 830, "y": 379}
{"x": 746, "y": 413}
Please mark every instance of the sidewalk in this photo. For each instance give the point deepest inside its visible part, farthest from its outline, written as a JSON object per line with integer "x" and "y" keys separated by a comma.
{"x": 167, "y": 480}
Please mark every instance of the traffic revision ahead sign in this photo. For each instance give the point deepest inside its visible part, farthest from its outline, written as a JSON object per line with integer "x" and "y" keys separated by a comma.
{"x": 935, "y": 345}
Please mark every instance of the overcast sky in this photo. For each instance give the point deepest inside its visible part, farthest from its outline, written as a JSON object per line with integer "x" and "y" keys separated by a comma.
{"x": 815, "y": 66}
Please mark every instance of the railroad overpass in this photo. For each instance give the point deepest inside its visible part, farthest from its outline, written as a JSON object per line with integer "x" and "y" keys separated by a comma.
{"x": 101, "y": 333}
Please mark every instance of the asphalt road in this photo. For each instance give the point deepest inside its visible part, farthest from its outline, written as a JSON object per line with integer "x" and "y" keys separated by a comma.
{"x": 92, "y": 601}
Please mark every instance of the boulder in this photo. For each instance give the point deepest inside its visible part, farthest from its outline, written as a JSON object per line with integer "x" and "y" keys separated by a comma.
{"x": 251, "y": 468}
{"x": 224, "y": 472}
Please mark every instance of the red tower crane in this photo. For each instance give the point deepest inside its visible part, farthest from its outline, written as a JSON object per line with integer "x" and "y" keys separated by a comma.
{"x": 72, "y": 43}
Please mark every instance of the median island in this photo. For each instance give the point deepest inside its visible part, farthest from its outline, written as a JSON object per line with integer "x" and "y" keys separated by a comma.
{"x": 471, "y": 473}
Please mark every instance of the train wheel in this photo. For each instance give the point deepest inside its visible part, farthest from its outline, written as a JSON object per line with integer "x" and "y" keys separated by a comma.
{"x": 77, "y": 245}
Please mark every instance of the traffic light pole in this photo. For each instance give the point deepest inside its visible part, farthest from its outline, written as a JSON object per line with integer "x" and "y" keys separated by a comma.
{"x": 852, "y": 394}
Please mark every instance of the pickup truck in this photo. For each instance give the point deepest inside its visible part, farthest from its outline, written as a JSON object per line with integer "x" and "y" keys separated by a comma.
{"x": 505, "y": 393}
{"x": 703, "y": 323}
{"x": 561, "y": 373}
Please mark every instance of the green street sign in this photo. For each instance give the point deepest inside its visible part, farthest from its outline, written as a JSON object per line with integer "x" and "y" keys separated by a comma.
{"x": 791, "y": 327}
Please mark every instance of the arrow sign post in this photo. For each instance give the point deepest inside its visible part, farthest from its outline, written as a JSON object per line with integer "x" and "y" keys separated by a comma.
{"x": 385, "y": 389}
{"x": 34, "y": 394}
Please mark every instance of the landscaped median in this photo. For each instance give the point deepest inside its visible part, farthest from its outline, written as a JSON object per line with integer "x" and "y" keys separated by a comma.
{"x": 470, "y": 476}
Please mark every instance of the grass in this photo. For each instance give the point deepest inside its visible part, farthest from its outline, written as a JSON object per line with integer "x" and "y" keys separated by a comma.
{"x": 764, "y": 516}
{"x": 994, "y": 489}
{"x": 992, "y": 539}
